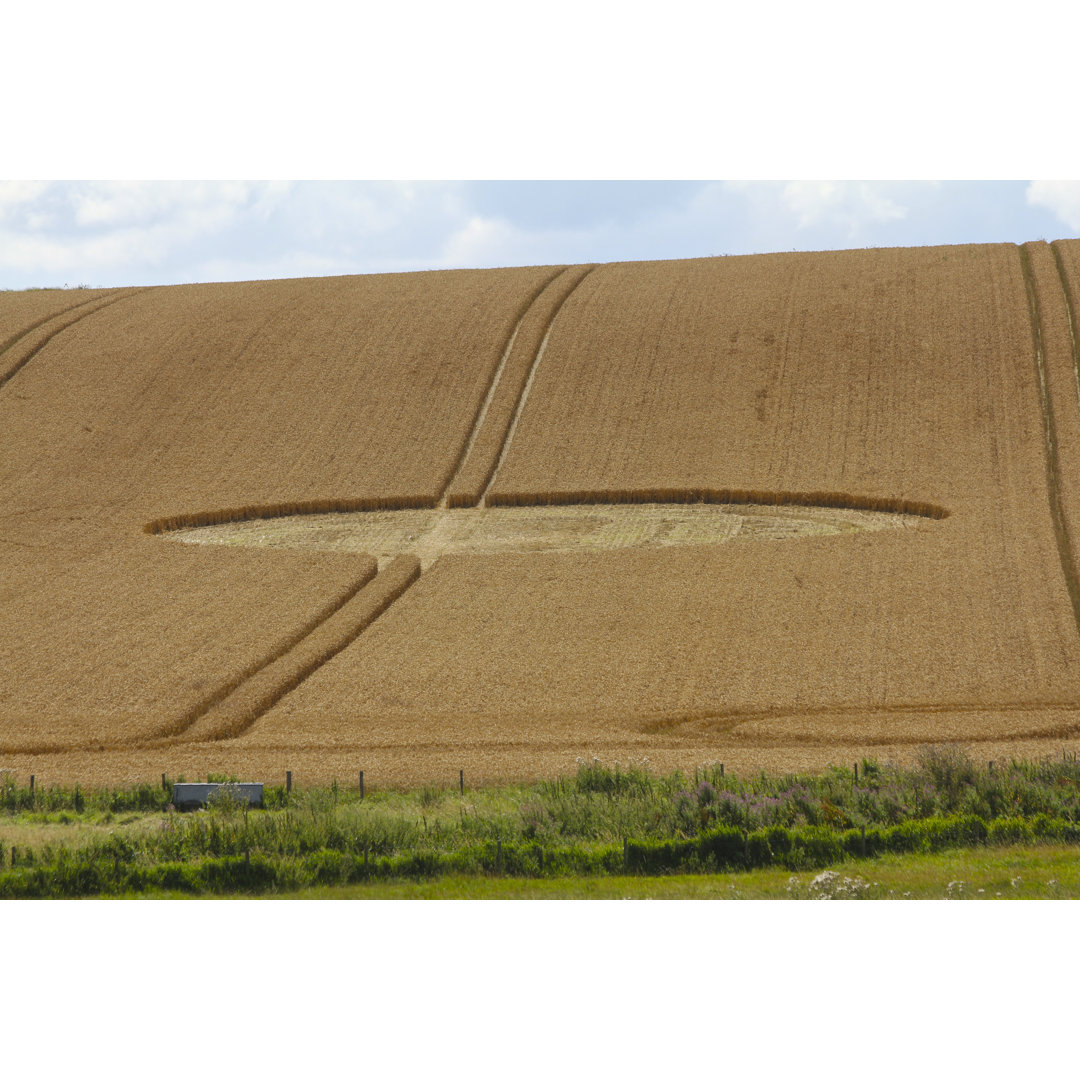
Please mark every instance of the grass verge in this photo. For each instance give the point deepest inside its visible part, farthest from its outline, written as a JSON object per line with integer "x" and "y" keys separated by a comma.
{"x": 607, "y": 831}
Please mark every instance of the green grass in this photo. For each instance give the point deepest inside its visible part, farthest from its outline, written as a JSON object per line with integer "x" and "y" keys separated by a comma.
{"x": 1011, "y": 873}
{"x": 603, "y": 832}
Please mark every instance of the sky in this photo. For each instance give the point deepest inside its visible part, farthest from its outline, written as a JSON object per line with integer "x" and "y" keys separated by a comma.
{"x": 114, "y": 233}
{"x": 385, "y": 138}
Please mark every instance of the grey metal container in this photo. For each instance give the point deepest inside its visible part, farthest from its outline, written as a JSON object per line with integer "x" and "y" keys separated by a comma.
{"x": 195, "y": 796}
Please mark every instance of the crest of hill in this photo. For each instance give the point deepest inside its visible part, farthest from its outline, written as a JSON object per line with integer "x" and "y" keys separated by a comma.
{"x": 941, "y": 377}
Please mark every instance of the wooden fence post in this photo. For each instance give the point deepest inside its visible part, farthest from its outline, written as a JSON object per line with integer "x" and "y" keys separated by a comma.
{"x": 31, "y": 786}
{"x": 361, "y": 783}
{"x": 856, "y": 772}
{"x": 288, "y": 782}
{"x": 461, "y": 780}
{"x": 721, "y": 769}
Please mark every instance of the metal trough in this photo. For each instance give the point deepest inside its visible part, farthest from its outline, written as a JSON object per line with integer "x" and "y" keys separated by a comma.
{"x": 196, "y": 796}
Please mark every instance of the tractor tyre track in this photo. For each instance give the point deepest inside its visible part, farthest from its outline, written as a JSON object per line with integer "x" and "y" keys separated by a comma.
{"x": 1074, "y": 335}
{"x": 1062, "y": 536}
{"x": 14, "y": 367}
{"x": 496, "y": 378}
{"x": 236, "y": 711}
{"x": 490, "y": 435}
{"x": 576, "y": 275}
{"x": 15, "y": 338}
{"x": 170, "y": 733}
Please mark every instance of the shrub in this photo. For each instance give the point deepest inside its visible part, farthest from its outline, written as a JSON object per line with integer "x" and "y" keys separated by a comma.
{"x": 813, "y": 845}
{"x": 597, "y": 777}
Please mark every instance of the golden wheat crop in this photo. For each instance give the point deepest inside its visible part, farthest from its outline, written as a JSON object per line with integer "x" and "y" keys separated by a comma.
{"x": 22, "y": 311}
{"x": 493, "y": 426}
{"x": 30, "y": 320}
{"x": 904, "y": 378}
{"x": 937, "y": 383}
{"x": 238, "y": 710}
{"x": 193, "y": 404}
{"x": 119, "y": 646}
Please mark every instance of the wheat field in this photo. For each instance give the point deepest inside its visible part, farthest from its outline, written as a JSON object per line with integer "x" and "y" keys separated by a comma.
{"x": 481, "y": 519}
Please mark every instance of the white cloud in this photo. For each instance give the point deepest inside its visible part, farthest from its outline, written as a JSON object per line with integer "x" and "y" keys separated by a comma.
{"x": 1060, "y": 197}
{"x": 482, "y": 242}
{"x": 494, "y": 241}
{"x": 130, "y": 232}
{"x": 113, "y": 233}
{"x": 200, "y": 205}
{"x": 37, "y": 253}
{"x": 851, "y": 206}
{"x": 17, "y": 195}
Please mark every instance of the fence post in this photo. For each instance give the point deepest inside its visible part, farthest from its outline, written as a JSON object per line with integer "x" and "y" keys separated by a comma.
{"x": 164, "y": 785}
{"x": 991, "y": 766}
{"x": 461, "y": 780}
{"x": 721, "y": 768}
{"x": 31, "y": 787}
{"x": 361, "y": 783}
{"x": 288, "y": 782}
{"x": 856, "y": 772}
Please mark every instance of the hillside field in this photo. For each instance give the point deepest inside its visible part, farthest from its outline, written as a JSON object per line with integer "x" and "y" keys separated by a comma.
{"x": 777, "y": 511}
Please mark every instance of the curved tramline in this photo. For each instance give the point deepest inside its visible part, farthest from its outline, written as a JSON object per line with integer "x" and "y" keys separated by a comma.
{"x": 763, "y": 509}
{"x": 21, "y": 347}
